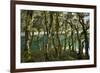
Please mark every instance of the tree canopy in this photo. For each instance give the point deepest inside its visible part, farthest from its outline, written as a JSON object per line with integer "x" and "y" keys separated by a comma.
{"x": 54, "y": 35}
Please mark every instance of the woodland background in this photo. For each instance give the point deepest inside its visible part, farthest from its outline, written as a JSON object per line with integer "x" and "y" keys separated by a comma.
{"x": 54, "y": 35}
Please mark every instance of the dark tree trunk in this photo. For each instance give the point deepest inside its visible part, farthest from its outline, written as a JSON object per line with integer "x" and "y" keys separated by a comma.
{"x": 27, "y": 37}
{"x": 85, "y": 36}
{"x": 47, "y": 30}
{"x": 57, "y": 35}
{"x": 72, "y": 41}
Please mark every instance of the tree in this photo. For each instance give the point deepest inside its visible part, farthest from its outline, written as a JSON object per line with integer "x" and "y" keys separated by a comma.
{"x": 26, "y": 25}
{"x": 85, "y": 28}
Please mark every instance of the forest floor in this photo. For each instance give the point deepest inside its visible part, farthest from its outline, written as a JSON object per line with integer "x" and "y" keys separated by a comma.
{"x": 42, "y": 56}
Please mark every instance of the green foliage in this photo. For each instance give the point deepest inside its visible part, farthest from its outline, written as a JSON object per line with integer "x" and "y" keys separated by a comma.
{"x": 59, "y": 35}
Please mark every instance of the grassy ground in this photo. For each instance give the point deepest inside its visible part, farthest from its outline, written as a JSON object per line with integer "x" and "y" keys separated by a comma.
{"x": 42, "y": 56}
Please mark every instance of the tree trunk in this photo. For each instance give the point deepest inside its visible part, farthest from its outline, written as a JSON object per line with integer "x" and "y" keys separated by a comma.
{"x": 85, "y": 36}
{"x": 28, "y": 37}
{"x": 80, "y": 53}
{"x": 57, "y": 35}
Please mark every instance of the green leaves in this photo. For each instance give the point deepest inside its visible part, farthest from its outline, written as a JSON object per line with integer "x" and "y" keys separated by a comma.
{"x": 51, "y": 26}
